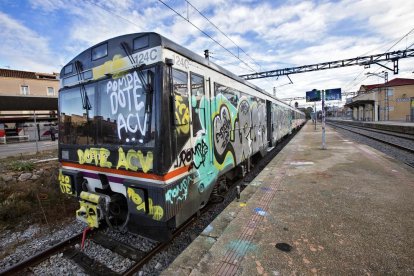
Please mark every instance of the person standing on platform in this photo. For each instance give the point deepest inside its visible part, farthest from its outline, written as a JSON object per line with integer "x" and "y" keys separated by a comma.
{"x": 52, "y": 131}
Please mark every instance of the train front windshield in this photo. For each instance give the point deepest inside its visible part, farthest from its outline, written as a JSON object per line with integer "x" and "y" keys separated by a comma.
{"x": 115, "y": 111}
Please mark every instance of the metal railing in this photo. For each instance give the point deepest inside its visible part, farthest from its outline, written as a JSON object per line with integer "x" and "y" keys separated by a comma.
{"x": 18, "y": 138}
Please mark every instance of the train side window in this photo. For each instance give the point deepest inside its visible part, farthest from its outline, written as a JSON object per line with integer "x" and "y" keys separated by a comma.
{"x": 229, "y": 93}
{"x": 198, "y": 112}
{"x": 181, "y": 106}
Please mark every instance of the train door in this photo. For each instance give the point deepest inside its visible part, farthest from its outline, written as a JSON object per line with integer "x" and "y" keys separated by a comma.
{"x": 269, "y": 116}
{"x": 181, "y": 115}
{"x": 412, "y": 109}
{"x": 198, "y": 110}
{"x": 200, "y": 122}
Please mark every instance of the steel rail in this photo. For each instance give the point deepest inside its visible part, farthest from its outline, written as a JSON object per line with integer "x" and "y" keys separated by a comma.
{"x": 41, "y": 256}
{"x": 139, "y": 264}
{"x": 376, "y": 139}
{"x": 385, "y": 132}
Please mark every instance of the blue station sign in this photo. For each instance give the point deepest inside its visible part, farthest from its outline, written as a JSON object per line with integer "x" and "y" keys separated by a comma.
{"x": 333, "y": 94}
{"x": 313, "y": 96}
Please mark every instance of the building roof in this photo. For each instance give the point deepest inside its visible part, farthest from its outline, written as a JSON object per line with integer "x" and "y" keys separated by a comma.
{"x": 391, "y": 83}
{"x": 27, "y": 74}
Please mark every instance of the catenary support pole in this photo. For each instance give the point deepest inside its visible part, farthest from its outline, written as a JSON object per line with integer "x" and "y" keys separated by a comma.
{"x": 315, "y": 117}
{"x": 323, "y": 120}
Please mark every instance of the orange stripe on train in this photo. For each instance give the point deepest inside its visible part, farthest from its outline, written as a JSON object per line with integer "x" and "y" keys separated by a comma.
{"x": 166, "y": 177}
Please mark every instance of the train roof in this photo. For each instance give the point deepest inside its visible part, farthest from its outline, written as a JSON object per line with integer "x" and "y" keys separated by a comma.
{"x": 155, "y": 39}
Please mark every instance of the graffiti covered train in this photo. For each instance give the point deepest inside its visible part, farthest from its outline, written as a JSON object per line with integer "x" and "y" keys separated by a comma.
{"x": 147, "y": 128}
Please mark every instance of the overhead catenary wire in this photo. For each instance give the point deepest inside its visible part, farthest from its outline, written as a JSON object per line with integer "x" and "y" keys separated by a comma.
{"x": 206, "y": 34}
{"x": 186, "y": 19}
{"x": 217, "y": 28}
{"x": 216, "y": 41}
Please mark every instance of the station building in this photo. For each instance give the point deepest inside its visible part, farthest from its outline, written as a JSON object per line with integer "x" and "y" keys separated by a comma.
{"x": 390, "y": 101}
{"x": 24, "y": 95}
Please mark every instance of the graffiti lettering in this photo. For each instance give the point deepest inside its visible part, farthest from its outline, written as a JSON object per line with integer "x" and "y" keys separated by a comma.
{"x": 222, "y": 128}
{"x": 201, "y": 150}
{"x": 182, "y": 115}
{"x": 179, "y": 192}
{"x": 155, "y": 211}
{"x": 116, "y": 64}
{"x": 187, "y": 155}
{"x": 133, "y": 160}
{"x": 64, "y": 183}
{"x": 98, "y": 156}
{"x": 127, "y": 100}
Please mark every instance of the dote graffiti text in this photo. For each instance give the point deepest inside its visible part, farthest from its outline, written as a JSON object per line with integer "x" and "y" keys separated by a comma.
{"x": 131, "y": 160}
{"x": 127, "y": 104}
{"x": 97, "y": 156}
{"x": 155, "y": 211}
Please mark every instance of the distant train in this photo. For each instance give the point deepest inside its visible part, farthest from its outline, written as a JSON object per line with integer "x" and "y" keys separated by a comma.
{"x": 147, "y": 129}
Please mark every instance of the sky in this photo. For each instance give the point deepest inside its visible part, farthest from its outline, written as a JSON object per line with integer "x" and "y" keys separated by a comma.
{"x": 43, "y": 35}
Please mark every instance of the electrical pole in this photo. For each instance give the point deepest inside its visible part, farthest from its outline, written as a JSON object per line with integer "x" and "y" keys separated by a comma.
{"x": 323, "y": 120}
{"x": 387, "y": 99}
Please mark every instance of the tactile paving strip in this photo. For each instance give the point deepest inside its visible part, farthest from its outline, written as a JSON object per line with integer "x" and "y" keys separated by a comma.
{"x": 233, "y": 257}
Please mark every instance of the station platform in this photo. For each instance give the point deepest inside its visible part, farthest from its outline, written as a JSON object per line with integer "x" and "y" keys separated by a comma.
{"x": 344, "y": 210}
{"x": 397, "y": 126}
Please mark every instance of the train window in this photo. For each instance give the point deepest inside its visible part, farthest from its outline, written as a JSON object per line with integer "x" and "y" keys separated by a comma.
{"x": 78, "y": 122}
{"x": 68, "y": 69}
{"x": 100, "y": 51}
{"x": 231, "y": 94}
{"x": 141, "y": 42}
{"x": 124, "y": 111}
{"x": 197, "y": 93}
{"x": 181, "y": 106}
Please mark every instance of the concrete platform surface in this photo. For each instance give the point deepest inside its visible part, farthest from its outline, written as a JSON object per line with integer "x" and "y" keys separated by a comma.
{"x": 346, "y": 210}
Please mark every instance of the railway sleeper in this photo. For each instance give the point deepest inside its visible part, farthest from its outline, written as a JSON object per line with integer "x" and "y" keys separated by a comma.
{"x": 88, "y": 264}
{"x": 118, "y": 247}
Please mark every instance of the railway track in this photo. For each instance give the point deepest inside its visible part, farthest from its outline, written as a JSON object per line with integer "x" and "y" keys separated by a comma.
{"x": 393, "y": 133}
{"x": 40, "y": 257}
{"x": 396, "y": 140}
{"x": 70, "y": 249}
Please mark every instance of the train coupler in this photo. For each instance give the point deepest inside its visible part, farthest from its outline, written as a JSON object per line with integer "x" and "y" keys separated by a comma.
{"x": 93, "y": 208}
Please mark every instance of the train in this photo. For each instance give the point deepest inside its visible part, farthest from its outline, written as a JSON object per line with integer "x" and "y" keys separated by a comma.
{"x": 149, "y": 130}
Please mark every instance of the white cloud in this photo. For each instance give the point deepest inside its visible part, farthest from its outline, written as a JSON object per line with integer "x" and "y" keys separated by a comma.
{"x": 291, "y": 33}
{"x": 23, "y": 48}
